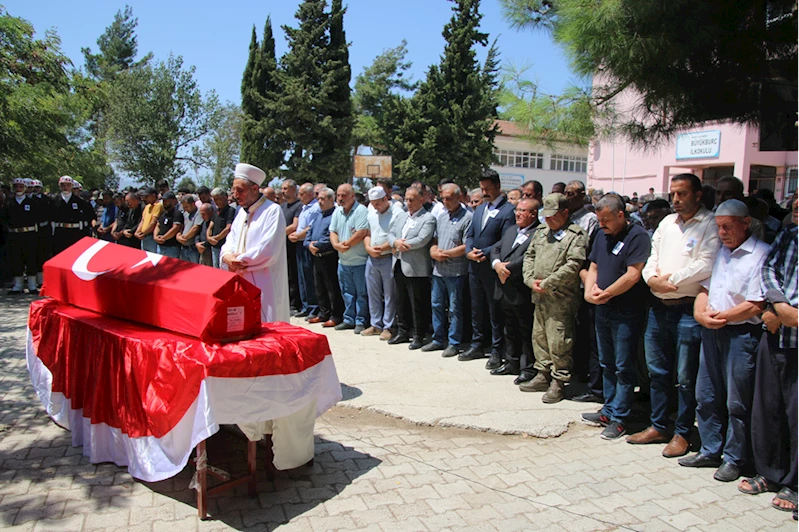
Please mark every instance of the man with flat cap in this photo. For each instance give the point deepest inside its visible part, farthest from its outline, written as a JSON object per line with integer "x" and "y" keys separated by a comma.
{"x": 255, "y": 248}
{"x": 552, "y": 270}
{"x": 728, "y": 308}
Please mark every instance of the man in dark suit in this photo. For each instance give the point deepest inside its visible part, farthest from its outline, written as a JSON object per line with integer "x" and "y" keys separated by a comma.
{"x": 514, "y": 296}
{"x": 489, "y": 223}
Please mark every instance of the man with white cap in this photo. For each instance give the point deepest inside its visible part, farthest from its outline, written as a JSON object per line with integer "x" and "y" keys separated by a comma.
{"x": 728, "y": 308}
{"x": 70, "y": 215}
{"x": 45, "y": 233}
{"x": 379, "y": 281}
{"x": 21, "y": 217}
{"x": 256, "y": 245}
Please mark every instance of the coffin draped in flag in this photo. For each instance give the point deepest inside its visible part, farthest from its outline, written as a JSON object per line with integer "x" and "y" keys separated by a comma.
{"x": 206, "y": 303}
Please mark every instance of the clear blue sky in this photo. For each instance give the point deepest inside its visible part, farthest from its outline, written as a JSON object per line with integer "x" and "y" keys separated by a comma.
{"x": 214, "y": 36}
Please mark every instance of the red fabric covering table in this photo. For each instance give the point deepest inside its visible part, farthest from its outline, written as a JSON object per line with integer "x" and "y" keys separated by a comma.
{"x": 144, "y": 398}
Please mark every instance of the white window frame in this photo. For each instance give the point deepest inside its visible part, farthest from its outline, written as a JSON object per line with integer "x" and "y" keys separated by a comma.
{"x": 568, "y": 163}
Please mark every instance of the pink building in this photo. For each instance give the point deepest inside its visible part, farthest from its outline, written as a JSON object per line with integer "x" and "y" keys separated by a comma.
{"x": 711, "y": 151}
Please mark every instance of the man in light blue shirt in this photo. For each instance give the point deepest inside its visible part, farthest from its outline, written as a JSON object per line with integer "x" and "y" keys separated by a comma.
{"x": 306, "y": 216}
{"x": 348, "y": 227}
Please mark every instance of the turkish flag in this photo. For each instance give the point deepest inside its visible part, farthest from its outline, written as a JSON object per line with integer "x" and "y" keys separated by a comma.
{"x": 206, "y": 303}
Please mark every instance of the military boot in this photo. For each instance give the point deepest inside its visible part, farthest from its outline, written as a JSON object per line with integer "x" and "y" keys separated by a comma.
{"x": 32, "y": 288}
{"x": 40, "y": 279}
{"x": 555, "y": 392}
{"x": 17, "y": 288}
{"x": 539, "y": 384}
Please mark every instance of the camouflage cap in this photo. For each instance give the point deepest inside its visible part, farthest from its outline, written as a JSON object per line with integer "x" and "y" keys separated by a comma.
{"x": 554, "y": 203}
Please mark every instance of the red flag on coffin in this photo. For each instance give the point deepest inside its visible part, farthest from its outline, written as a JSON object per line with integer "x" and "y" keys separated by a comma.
{"x": 206, "y": 303}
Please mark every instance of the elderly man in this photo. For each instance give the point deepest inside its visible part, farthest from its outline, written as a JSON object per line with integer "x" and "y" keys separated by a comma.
{"x": 291, "y": 211}
{"x": 69, "y": 215}
{"x": 614, "y": 285}
{"x": 774, "y": 417}
{"x": 450, "y": 272}
{"x": 219, "y": 227}
{"x": 475, "y": 199}
{"x": 489, "y": 223}
{"x": 683, "y": 249}
{"x": 348, "y": 227}
{"x": 187, "y": 237}
{"x": 409, "y": 237}
{"x": 170, "y": 224}
{"x": 202, "y": 246}
{"x": 256, "y": 245}
{"x": 514, "y": 296}
{"x": 551, "y": 269}
{"x": 379, "y": 280}
{"x": 728, "y": 308}
{"x": 304, "y": 259}
{"x": 149, "y": 220}
{"x": 325, "y": 261}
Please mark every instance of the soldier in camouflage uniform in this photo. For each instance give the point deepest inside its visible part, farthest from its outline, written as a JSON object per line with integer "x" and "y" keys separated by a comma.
{"x": 551, "y": 269}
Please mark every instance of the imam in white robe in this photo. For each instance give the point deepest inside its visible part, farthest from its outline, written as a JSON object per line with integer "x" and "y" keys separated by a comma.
{"x": 260, "y": 237}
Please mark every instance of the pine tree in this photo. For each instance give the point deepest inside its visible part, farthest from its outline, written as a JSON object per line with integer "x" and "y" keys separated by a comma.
{"x": 451, "y": 131}
{"x": 249, "y": 109}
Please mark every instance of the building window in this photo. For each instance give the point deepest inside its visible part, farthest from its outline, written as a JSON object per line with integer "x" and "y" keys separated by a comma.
{"x": 519, "y": 159}
{"x": 711, "y": 175}
{"x": 569, "y": 163}
{"x": 791, "y": 175}
{"x": 762, "y": 177}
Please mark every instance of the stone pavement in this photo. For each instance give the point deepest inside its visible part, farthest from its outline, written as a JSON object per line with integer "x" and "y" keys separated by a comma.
{"x": 371, "y": 472}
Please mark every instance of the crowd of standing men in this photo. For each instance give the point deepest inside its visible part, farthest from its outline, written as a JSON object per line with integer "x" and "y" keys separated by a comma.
{"x": 548, "y": 289}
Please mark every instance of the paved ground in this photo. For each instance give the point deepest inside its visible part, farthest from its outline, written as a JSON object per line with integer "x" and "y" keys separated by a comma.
{"x": 373, "y": 472}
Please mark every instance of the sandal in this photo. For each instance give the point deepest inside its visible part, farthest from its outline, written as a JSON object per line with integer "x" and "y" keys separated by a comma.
{"x": 757, "y": 484}
{"x": 787, "y": 495}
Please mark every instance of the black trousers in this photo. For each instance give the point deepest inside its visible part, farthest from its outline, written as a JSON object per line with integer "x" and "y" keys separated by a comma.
{"x": 487, "y": 327}
{"x": 22, "y": 249}
{"x": 294, "y": 283}
{"x": 44, "y": 251}
{"x": 328, "y": 292}
{"x": 774, "y": 412}
{"x": 63, "y": 238}
{"x": 519, "y": 336}
{"x": 414, "y": 311}
{"x": 586, "y": 355}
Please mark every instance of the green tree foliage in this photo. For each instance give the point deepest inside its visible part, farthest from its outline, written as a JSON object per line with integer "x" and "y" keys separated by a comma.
{"x": 262, "y": 139}
{"x": 187, "y": 183}
{"x": 220, "y": 150}
{"x": 118, "y": 48}
{"x": 450, "y": 131}
{"x": 40, "y": 116}
{"x": 380, "y": 101}
{"x": 688, "y": 62}
{"x": 156, "y": 115}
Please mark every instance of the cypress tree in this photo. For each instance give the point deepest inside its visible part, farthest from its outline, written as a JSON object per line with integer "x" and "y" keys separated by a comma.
{"x": 249, "y": 108}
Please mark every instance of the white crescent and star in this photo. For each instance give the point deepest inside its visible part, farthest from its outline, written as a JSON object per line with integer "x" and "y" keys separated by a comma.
{"x": 81, "y": 265}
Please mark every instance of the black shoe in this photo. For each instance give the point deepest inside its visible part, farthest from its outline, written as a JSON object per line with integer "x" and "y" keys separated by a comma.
{"x": 399, "y": 339}
{"x": 293, "y": 312}
{"x": 300, "y": 314}
{"x": 432, "y": 346}
{"x": 33, "y": 292}
{"x": 613, "y": 431}
{"x": 494, "y": 361}
{"x": 344, "y": 326}
{"x": 699, "y": 460}
{"x": 14, "y": 292}
{"x": 473, "y": 353}
{"x": 505, "y": 369}
{"x": 416, "y": 344}
{"x": 523, "y": 377}
{"x": 727, "y": 472}
{"x": 450, "y": 351}
{"x": 595, "y": 419}
{"x": 588, "y": 398}
{"x": 358, "y": 329}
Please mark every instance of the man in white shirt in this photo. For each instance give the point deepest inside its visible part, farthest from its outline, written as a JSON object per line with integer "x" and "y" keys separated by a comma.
{"x": 728, "y": 308}
{"x": 684, "y": 247}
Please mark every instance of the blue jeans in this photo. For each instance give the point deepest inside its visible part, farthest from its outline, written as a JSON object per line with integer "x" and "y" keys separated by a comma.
{"x": 215, "y": 252}
{"x": 725, "y": 390}
{"x": 190, "y": 254}
{"x": 148, "y": 243}
{"x": 352, "y": 280}
{"x": 169, "y": 251}
{"x": 672, "y": 338}
{"x": 306, "y": 280}
{"x": 382, "y": 297}
{"x": 448, "y": 291}
{"x": 617, "y": 334}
